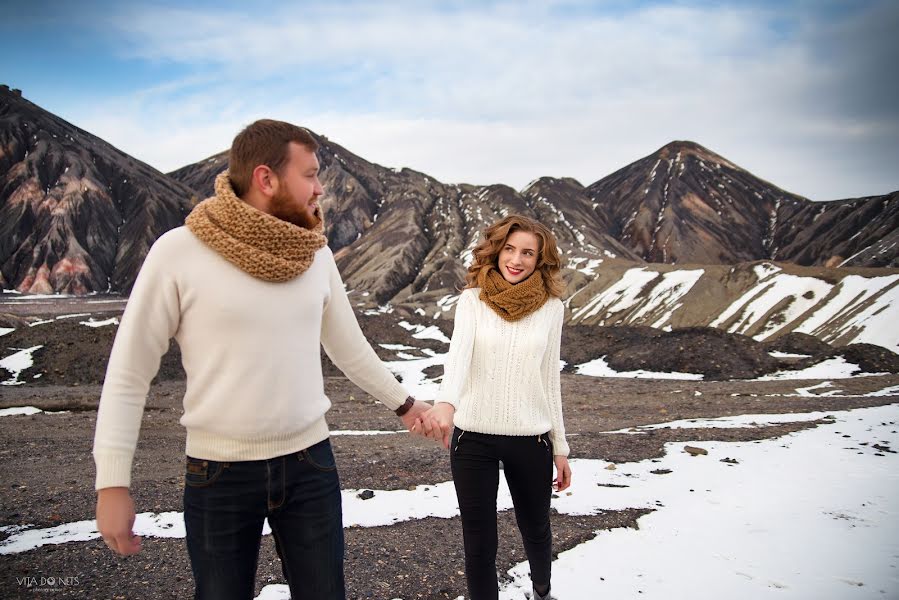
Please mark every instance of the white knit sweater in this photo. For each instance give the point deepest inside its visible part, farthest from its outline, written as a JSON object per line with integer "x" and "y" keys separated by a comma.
{"x": 251, "y": 350}
{"x": 503, "y": 377}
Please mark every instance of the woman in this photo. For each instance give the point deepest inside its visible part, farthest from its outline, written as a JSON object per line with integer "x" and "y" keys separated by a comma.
{"x": 501, "y": 391}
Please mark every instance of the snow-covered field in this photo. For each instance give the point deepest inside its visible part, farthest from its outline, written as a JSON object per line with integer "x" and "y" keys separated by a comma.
{"x": 813, "y": 514}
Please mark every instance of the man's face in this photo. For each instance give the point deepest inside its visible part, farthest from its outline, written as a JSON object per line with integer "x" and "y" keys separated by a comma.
{"x": 296, "y": 199}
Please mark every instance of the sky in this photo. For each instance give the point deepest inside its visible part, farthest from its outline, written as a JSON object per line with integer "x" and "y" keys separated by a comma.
{"x": 802, "y": 93}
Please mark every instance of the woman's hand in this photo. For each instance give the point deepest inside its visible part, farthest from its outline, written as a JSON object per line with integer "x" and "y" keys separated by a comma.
{"x": 437, "y": 423}
{"x": 563, "y": 473}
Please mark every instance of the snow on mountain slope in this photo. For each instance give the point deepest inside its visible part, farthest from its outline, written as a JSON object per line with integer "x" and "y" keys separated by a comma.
{"x": 763, "y": 300}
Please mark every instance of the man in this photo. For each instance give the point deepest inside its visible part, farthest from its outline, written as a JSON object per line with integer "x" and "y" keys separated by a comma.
{"x": 250, "y": 290}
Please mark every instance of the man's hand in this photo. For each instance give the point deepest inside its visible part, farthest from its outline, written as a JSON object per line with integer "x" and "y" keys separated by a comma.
{"x": 438, "y": 422}
{"x": 563, "y": 473}
{"x": 115, "y": 520}
{"x": 412, "y": 419}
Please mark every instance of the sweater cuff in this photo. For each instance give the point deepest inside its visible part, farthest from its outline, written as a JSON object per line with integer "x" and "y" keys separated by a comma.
{"x": 395, "y": 397}
{"x": 560, "y": 446}
{"x": 446, "y": 401}
{"x": 442, "y": 396}
{"x": 113, "y": 469}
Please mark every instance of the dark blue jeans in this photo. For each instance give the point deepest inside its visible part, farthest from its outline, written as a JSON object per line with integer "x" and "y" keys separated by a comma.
{"x": 528, "y": 467}
{"x": 225, "y": 504}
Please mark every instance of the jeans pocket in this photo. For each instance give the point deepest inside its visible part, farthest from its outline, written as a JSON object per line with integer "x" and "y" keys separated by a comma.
{"x": 202, "y": 473}
{"x": 456, "y": 439}
{"x": 320, "y": 456}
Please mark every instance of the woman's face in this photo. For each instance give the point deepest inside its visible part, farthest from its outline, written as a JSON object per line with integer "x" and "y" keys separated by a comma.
{"x": 518, "y": 257}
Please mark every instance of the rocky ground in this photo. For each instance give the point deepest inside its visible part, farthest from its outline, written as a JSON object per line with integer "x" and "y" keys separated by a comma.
{"x": 47, "y": 471}
{"x": 47, "y": 475}
{"x": 74, "y": 354}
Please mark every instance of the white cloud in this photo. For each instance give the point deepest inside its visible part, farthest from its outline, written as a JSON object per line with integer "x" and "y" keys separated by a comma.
{"x": 504, "y": 94}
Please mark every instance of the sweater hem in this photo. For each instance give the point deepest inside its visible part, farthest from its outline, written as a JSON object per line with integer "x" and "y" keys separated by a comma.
{"x": 518, "y": 432}
{"x": 211, "y": 446}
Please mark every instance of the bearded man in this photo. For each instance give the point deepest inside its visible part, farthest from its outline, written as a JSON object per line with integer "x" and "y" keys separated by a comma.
{"x": 250, "y": 291}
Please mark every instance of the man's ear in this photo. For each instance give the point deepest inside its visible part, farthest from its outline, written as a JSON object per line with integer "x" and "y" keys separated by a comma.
{"x": 265, "y": 180}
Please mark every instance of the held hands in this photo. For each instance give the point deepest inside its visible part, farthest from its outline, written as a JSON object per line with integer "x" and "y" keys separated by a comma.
{"x": 435, "y": 423}
{"x": 438, "y": 423}
{"x": 412, "y": 418}
{"x": 115, "y": 520}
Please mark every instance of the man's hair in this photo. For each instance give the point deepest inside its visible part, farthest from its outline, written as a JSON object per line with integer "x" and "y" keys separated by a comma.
{"x": 265, "y": 142}
{"x": 486, "y": 253}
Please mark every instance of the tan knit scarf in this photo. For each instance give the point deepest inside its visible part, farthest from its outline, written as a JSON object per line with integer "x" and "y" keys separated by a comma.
{"x": 512, "y": 301}
{"x": 256, "y": 242}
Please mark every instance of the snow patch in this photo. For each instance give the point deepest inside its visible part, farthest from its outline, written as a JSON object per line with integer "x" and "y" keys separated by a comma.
{"x": 599, "y": 368}
{"x": 777, "y": 354}
{"x": 620, "y": 296}
{"x": 92, "y": 323}
{"x": 412, "y": 373}
{"x": 736, "y": 422}
{"x": 422, "y": 332}
{"x": 832, "y": 368}
{"x": 353, "y": 432}
{"x": 18, "y": 362}
{"x": 19, "y": 410}
{"x": 845, "y": 313}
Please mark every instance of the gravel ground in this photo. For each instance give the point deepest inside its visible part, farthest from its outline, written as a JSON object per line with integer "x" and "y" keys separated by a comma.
{"x": 47, "y": 475}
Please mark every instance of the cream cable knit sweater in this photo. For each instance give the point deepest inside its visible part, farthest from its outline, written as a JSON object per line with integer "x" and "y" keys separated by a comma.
{"x": 503, "y": 377}
{"x": 250, "y": 349}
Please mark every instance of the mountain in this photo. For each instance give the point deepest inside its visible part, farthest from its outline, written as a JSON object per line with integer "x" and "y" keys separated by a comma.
{"x": 862, "y": 232}
{"x": 76, "y": 214}
{"x": 401, "y": 235}
{"x": 686, "y": 204}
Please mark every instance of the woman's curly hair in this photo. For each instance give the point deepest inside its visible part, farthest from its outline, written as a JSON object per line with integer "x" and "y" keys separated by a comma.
{"x": 486, "y": 253}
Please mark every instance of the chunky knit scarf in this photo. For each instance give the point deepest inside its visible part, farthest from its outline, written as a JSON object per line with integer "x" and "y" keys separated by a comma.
{"x": 512, "y": 301}
{"x": 262, "y": 245}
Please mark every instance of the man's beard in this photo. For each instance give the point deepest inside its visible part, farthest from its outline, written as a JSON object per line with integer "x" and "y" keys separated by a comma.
{"x": 282, "y": 208}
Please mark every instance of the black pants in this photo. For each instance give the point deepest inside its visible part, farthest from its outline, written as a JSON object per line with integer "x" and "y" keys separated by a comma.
{"x": 528, "y": 465}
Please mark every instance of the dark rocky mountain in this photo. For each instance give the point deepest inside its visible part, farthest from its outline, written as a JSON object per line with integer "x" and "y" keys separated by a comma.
{"x": 575, "y": 218}
{"x": 862, "y": 232}
{"x": 200, "y": 176}
{"x": 403, "y": 236}
{"x": 76, "y": 214}
{"x": 686, "y": 204}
